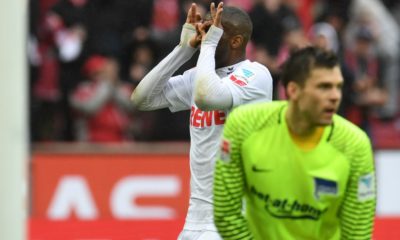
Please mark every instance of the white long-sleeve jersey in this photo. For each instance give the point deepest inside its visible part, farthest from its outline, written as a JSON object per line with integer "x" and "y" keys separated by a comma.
{"x": 218, "y": 91}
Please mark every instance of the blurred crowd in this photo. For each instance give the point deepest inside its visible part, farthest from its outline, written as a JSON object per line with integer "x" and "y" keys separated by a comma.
{"x": 87, "y": 56}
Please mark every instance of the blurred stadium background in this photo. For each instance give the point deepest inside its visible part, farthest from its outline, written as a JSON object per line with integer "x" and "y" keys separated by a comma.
{"x": 97, "y": 169}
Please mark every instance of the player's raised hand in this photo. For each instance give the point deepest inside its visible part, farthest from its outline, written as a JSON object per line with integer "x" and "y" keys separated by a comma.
{"x": 194, "y": 18}
{"x": 216, "y": 14}
{"x": 213, "y": 19}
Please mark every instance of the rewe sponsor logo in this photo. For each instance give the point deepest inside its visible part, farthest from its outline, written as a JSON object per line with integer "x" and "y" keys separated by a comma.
{"x": 287, "y": 208}
{"x": 201, "y": 119}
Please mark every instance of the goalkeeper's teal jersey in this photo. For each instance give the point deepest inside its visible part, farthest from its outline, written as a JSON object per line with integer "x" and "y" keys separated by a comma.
{"x": 290, "y": 193}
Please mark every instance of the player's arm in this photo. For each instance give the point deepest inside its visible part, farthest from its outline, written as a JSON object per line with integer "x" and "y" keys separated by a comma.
{"x": 358, "y": 208}
{"x": 149, "y": 94}
{"x": 229, "y": 186}
{"x": 210, "y": 93}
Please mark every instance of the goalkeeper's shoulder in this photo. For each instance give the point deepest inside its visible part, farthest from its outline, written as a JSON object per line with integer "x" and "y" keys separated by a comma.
{"x": 256, "y": 115}
{"x": 259, "y": 109}
{"x": 347, "y": 133}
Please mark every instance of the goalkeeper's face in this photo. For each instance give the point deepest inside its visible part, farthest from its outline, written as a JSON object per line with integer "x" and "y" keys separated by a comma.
{"x": 319, "y": 97}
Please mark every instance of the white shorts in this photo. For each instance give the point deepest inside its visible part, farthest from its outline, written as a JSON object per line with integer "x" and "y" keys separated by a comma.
{"x": 199, "y": 235}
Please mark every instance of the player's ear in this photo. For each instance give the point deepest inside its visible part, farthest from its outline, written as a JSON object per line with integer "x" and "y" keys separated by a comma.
{"x": 292, "y": 90}
{"x": 236, "y": 41}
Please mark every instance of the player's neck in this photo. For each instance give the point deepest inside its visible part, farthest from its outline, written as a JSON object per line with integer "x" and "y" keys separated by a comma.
{"x": 302, "y": 133}
{"x": 307, "y": 142}
{"x": 234, "y": 59}
{"x": 241, "y": 56}
{"x": 298, "y": 125}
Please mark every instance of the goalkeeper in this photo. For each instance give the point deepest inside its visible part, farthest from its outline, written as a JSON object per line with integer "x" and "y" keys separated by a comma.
{"x": 304, "y": 172}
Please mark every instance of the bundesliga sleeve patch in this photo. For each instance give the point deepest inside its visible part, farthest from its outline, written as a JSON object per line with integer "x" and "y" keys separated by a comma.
{"x": 366, "y": 187}
{"x": 225, "y": 153}
{"x": 242, "y": 77}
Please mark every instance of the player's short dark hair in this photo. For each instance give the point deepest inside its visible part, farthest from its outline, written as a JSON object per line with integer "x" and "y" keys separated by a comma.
{"x": 300, "y": 64}
{"x": 237, "y": 22}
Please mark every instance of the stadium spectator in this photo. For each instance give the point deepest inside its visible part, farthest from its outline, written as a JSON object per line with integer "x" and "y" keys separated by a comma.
{"x": 143, "y": 57}
{"x": 113, "y": 23}
{"x": 372, "y": 14}
{"x": 367, "y": 93}
{"x": 68, "y": 23}
{"x": 305, "y": 172}
{"x": 102, "y": 103}
{"x": 270, "y": 18}
{"x": 68, "y": 31}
